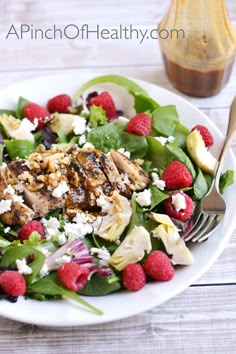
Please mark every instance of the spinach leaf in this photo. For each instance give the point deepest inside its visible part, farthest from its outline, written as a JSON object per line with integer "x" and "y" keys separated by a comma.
{"x": 98, "y": 286}
{"x": 21, "y": 251}
{"x": 226, "y": 180}
{"x": 200, "y": 186}
{"x": 19, "y": 148}
{"x": 50, "y": 285}
{"x": 106, "y": 137}
{"x": 128, "y": 84}
{"x": 138, "y": 217}
{"x": 156, "y": 153}
{"x": 161, "y": 155}
{"x": 3, "y": 242}
{"x": 164, "y": 120}
{"x": 113, "y": 136}
{"x": 22, "y": 102}
{"x": 181, "y": 132}
{"x": 135, "y": 144}
{"x": 97, "y": 116}
{"x": 143, "y": 103}
{"x": 157, "y": 196}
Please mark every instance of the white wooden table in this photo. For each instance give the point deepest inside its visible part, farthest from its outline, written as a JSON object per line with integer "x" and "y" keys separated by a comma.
{"x": 202, "y": 319}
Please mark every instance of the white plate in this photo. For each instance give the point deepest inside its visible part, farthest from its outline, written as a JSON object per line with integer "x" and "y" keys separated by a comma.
{"x": 122, "y": 304}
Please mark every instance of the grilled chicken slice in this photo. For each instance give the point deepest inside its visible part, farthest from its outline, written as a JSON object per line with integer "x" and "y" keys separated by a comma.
{"x": 86, "y": 173}
{"x": 139, "y": 179}
{"x": 41, "y": 201}
{"x": 95, "y": 180}
{"x": 3, "y": 182}
{"x": 112, "y": 174}
{"x": 19, "y": 214}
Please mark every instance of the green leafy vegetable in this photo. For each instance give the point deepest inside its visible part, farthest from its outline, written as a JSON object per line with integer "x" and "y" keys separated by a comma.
{"x": 200, "y": 186}
{"x": 130, "y": 85}
{"x": 180, "y": 134}
{"x": 22, "y": 102}
{"x": 112, "y": 136}
{"x": 3, "y": 242}
{"x": 19, "y": 148}
{"x": 143, "y": 103}
{"x": 135, "y": 144}
{"x": 164, "y": 120}
{"x": 50, "y": 285}
{"x": 138, "y": 217}
{"x": 226, "y": 180}
{"x": 98, "y": 286}
{"x": 97, "y": 116}
{"x": 157, "y": 196}
{"x": 106, "y": 137}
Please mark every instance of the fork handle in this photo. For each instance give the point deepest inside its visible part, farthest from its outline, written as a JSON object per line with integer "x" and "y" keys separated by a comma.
{"x": 228, "y": 140}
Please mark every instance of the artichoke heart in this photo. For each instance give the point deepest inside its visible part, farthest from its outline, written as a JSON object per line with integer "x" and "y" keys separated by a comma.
{"x": 117, "y": 218}
{"x": 15, "y": 129}
{"x": 171, "y": 239}
{"x": 132, "y": 249}
{"x": 199, "y": 153}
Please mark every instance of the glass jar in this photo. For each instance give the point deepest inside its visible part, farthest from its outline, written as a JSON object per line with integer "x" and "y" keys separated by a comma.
{"x": 198, "y": 45}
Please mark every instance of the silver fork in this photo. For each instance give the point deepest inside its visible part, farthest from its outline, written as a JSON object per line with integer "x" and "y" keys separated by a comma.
{"x": 210, "y": 211}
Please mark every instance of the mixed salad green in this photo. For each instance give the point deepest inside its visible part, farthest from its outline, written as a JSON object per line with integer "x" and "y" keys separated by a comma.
{"x": 153, "y": 153}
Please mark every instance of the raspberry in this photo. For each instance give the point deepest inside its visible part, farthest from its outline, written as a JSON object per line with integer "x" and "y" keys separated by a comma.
{"x": 158, "y": 266}
{"x": 60, "y": 104}
{"x": 105, "y": 101}
{"x": 140, "y": 124}
{"x": 73, "y": 276}
{"x": 206, "y": 135}
{"x": 179, "y": 212}
{"x": 133, "y": 277}
{"x": 31, "y": 226}
{"x": 34, "y": 112}
{"x": 12, "y": 283}
{"x": 177, "y": 176}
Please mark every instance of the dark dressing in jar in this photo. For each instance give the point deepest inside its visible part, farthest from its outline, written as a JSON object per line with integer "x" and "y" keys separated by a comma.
{"x": 200, "y": 51}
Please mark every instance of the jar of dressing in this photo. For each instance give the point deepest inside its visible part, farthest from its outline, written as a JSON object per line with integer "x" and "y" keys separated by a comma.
{"x": 200, "y": 48}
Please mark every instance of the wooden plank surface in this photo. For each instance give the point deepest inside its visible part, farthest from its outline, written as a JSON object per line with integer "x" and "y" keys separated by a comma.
{"x": 202, "y": 319}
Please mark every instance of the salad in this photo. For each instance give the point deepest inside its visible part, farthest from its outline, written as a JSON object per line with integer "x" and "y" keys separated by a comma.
{"x": 94, "y": 199}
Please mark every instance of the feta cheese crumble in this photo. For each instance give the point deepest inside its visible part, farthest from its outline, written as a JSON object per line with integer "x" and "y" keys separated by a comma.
{"x": 22, "y": 266}
{"x": 159, "y": 183}
{"x": 44, "y": 271}
{"x": 51, "y": 227}
{"x": 144, "y": 198}
{"x": 5, "y": 205}
{"x": 61, "y": 189}
{"x": 26, "y": 124}
{"x": 124, "y": 152}
{"x": 79, "y": 125}
{"x": 11, "y": 191}
{"x": 82, "y": 140}
{"x": 102, "y": 253}
{"x": 163, "y": 140}
{"x": 178, "y": 201}
{"x": 104, "y": 203}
